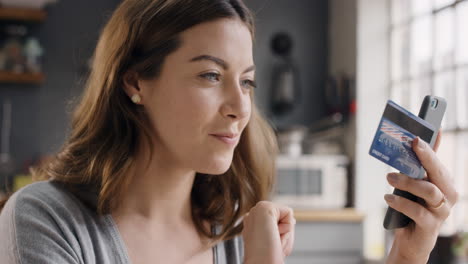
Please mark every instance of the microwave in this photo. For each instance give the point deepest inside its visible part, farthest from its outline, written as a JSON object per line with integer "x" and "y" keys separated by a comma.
{"x": 311, "y": 181}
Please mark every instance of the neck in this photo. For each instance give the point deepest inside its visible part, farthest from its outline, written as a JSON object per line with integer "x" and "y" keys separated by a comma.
{"x": 159, "y": 192}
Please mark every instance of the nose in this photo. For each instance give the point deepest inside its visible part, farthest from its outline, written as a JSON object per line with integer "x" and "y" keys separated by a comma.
{"x": 237, "y": 103}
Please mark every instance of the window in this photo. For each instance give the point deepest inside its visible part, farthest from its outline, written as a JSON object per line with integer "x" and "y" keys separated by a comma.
{"x": 429, "y": 55}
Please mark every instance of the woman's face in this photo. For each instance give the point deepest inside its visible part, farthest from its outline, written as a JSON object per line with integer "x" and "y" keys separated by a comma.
{"x": 201, "y": 101}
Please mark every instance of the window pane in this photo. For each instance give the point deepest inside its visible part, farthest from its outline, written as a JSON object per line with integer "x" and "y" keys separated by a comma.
{"x": 400, "y": 94}
{"x": 419, "y": 7}
{"x": 447, "y": 151}
{"x": 395, "y": 94}
{"x": 421, "y": 46}
{"x": 418, "y": 89}
{"x": 462, "y": 34}
{"x": 462, "y": 98}
{"x": 460, "y": 179}
{"x": 462, "y": 170}
{"x": 447, "y": 154}
{"x": 444, "y": 87}
{"x": 400, "y": 53}
{"x": 400, "y": 11}
{"x": 442, "y": 3}
{"x": 444, "y": 39}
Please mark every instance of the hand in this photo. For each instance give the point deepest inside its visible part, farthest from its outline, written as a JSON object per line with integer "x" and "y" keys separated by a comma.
{"x": 414, "y": 243}
{"x": 268, "y": 233}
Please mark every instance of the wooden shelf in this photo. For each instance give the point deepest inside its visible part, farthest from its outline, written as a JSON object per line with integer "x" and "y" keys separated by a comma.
{"x": 22, "y": 14}
{"x": 27, "y": 15}
{"x": 343, "y": 215}
{"x": 22, "y": 78}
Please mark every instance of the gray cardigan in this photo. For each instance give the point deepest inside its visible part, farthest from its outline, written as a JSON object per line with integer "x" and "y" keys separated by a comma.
{"x": 45, "y": 223}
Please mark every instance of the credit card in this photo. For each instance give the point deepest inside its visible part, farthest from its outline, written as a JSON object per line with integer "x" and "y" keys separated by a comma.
{"x": 392, "y": 142}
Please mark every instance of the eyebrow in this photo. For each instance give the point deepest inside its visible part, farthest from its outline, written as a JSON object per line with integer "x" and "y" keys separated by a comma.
{"x": 218, "y": 61}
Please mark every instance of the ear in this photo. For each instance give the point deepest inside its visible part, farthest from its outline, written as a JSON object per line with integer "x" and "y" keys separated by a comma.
{"x": 131, "y": 84}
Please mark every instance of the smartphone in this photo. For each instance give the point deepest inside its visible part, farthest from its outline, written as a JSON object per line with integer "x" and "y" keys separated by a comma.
{"x": 432, "y": 110}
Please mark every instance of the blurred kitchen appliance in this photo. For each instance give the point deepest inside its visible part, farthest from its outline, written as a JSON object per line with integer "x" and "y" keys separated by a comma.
{"x": 285, "y": 94}
{"x": 327, "y": 141}
{"x": 340, "y": 96}
{"x": 290, "y": 140}
{"x": 312, "y": 181}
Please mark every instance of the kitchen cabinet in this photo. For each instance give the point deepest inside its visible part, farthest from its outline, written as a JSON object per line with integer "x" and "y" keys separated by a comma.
{"x": 22, "y": 15}
{"x": 328, "y": 237}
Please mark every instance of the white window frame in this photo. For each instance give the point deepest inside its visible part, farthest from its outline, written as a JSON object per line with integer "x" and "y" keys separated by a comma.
{"x": 454, "y": 153}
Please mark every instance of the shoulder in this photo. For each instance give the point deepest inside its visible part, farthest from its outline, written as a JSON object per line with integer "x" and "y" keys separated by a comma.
{"x": 37, "y": 198}
{"x": 42, "y": 199}
{"x": 38, "y": 218}
{"x": 46, "y": 204}
{"x": 47, "y": 222}
{"x": 45, "y": 191}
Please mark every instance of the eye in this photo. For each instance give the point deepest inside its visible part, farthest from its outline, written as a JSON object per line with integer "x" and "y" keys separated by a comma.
{"x": 211, "y": 76}
{"x": 249, "y": 84}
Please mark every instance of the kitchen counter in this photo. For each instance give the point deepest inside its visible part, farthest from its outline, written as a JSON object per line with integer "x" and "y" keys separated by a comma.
{"x": 328, "y": 237}
{"x": 341, "y": 215}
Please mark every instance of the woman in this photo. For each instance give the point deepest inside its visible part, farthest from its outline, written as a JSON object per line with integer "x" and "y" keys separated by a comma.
{"x": 168, "y": 160}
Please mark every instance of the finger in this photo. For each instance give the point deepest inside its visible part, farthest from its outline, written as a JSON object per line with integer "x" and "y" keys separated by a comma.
{"x": 285, "y": 215}
{"x": 286, "y": 224}
{"x": 436, "y": 171}
{"x": 287, "y": 243}
{"x": 420, "y": 214}
{"x": 438, "y": 140}
{"x": 423, "y": 189}
{"x": 286, "y": 227}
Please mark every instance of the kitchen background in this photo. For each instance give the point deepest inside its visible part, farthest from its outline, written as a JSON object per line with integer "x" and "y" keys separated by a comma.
{"x": 325, "y": 69}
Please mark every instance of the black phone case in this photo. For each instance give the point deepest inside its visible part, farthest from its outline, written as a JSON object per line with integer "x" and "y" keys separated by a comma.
{"x": 393, "y": 218}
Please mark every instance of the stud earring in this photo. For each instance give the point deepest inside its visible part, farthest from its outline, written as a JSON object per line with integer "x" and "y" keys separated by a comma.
{"x": 136, "y": 98}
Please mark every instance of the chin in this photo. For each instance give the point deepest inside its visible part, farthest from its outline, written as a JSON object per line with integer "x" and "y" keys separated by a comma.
{"x": 216, "y": 166}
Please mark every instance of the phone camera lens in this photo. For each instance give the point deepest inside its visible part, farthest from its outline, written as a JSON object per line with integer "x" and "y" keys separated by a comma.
{"x": 434, "y": 103}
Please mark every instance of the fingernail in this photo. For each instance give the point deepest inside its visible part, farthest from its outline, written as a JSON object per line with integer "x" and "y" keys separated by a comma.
{"x": 421, "y": 144}
{"x": 389, "y": 198}
{"x": 392, "y": 178}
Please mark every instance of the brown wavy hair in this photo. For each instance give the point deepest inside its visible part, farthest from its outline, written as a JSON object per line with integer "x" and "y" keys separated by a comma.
{"x": 106, "y": 125}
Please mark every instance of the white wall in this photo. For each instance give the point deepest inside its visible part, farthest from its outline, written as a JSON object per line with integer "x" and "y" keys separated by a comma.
{"x": 359, "y": 43}
{"x": 372, "y": 93}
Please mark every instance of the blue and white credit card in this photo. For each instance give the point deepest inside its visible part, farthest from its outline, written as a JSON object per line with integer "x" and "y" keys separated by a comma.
{"x": 395, "y": 133}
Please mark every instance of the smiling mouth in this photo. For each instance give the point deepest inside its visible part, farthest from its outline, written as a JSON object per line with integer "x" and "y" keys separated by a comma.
{"x": 227, "y": 139}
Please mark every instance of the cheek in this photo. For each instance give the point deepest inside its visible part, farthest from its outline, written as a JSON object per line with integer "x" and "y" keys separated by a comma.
{"x": 195, "y": 109}
{"x": 182, "y": 116}
{"x": 247, "y": 119}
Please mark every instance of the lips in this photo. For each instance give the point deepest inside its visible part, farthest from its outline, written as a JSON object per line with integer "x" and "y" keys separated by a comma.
{"x": 228, "y": 138}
